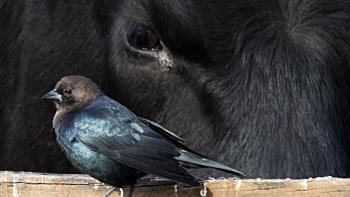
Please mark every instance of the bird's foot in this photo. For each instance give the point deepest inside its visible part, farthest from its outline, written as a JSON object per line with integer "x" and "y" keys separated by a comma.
{"x": 112, "y": 190}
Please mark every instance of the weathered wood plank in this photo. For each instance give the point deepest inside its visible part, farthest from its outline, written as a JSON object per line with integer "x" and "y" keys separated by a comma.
{"x": 21, "y": 184}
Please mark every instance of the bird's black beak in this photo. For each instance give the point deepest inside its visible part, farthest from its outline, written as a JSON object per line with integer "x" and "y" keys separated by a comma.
{"x": 53, "y": 96}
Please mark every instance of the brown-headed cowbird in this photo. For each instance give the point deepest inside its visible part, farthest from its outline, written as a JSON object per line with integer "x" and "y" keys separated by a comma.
{"x": 104, "y": 139}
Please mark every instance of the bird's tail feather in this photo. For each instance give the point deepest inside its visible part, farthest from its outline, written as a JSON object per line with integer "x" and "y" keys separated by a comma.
{"x": 193, "y": 158}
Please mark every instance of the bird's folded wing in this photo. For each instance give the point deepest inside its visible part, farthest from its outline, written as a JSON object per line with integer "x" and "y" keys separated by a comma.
{"x": 140, "y": 158}
{"x": 163, "y": 131}
{"x": 129, "y": 142}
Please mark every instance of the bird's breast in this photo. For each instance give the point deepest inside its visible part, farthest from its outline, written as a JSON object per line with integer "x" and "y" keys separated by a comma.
{"x": 98, "y": 165}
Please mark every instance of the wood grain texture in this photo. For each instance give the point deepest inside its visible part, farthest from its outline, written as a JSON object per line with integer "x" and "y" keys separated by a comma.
{"x": 22, "y": 184}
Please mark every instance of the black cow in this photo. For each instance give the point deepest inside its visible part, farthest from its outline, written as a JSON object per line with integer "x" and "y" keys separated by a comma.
{"x": 260, "y": 85}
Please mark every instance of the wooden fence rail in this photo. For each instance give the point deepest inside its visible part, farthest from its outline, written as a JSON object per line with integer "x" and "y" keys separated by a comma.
{"x": 22, "y": 184}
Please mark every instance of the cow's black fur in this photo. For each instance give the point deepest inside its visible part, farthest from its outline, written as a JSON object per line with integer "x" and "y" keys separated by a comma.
{"x": 261, "y": 85}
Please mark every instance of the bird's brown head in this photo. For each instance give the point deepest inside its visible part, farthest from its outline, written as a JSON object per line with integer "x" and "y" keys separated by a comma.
{"x": 72, "y": 93}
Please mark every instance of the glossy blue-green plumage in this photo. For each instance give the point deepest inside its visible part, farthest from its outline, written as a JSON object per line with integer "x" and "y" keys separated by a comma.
{"x": 107, "y": 141}
{"x": 94, "y": 137}
{"x": 87, "y": 160}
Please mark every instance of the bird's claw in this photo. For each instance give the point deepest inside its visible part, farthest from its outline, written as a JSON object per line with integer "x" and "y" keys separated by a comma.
{"x": 112, "y": 190}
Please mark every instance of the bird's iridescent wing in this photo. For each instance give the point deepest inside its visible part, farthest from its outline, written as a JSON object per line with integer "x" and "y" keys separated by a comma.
{"x": 112, "y": 130}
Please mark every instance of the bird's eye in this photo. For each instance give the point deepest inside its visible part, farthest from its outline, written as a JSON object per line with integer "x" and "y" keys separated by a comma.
{"x": 67, "y": 92}
{"x": 143, "y": 38}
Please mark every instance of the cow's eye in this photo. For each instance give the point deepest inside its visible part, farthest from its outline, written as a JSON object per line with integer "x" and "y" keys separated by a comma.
{"x": 143, "y": 38}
